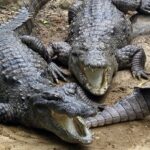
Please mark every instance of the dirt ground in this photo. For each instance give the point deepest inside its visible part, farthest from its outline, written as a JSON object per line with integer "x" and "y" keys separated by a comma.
{"x": 51, "y": 25}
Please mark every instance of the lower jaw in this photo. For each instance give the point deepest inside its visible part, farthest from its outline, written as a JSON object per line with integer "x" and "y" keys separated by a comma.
{"x": 85, "y": 140}
{"x": 81, "y": 135}
{"x": 96, "y": 91}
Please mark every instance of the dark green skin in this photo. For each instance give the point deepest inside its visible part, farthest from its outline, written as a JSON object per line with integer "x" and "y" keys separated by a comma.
{"x": 99, "y": 41}
{"x": 28, "y": 94}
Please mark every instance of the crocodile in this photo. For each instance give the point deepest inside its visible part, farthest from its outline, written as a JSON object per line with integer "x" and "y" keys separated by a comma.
{"x": 98, "y": 42}
{"x": 135, "y": 106}
{"x": 28, "y": 93}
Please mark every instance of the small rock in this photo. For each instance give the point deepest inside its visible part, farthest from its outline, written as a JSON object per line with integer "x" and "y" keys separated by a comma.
{"x": 64, "y": 4}
{"x": 97, "y": 137}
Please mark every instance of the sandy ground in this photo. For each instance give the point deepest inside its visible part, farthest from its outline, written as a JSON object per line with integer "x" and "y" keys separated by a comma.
{"x": 51, "y": 25}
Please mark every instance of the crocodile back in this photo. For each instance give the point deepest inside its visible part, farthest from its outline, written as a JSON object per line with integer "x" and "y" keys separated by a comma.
{"x": 20, "y": 67}
{"x": 98, "y": 29}
{"x": 99, "y": 23}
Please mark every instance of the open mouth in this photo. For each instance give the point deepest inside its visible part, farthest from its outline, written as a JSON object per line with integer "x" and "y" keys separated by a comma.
{"x": 97, "y": 80}
{"x": 74, "y": 127}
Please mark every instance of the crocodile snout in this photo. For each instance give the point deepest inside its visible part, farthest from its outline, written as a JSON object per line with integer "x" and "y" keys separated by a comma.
{"x": 97, "y": 79}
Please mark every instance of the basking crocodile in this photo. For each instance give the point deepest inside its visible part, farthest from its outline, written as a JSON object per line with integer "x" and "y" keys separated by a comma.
{"x": 133, "y": 107}
{"x": 27, "y": 93}
{"x": 99, "y": 42}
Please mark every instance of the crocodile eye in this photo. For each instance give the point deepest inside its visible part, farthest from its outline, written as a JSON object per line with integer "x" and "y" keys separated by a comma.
{"x": 70, "y": 91}
{"x": 52, "y": 96}
{"x": 77, "y": 53}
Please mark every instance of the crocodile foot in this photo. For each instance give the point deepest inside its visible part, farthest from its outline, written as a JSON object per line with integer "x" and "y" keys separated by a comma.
{"x": 140, "y": 74}
{"x": 56, "y": 72}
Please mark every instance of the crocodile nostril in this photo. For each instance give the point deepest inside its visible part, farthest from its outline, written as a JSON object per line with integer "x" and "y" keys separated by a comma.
{"x": 77, "y": 53}
{"x": 71, "y": 85}
{"x": 70, "y": 91}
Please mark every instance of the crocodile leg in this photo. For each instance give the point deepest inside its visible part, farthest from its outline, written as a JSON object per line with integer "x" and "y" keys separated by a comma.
{"x": 61, "y": 51}
{"x": 142, "y": 6}
{"x": 133, "y": 107}
{"x": 36, "y": 45}
{"x": 6, "y": 113}
{"x": 73, "y": 10}
{"x": 134, "y": 57}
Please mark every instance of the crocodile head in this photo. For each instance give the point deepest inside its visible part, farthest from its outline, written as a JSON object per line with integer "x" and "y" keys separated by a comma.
{"x": 60, "y": 110}
{"x": 94, "y": 69}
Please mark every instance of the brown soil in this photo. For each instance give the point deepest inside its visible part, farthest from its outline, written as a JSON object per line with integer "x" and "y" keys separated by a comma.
{"x": 51, "y": 25}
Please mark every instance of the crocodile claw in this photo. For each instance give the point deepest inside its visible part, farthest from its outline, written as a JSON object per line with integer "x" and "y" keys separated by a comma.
{"x": 56, "y": 72}
{"x": 140, "y": 74}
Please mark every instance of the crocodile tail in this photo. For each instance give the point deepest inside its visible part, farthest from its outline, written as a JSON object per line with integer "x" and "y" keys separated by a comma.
{"x": 133, "y": 107}
{"x": 36, "y": 5}
{"x": 22, "y": 23}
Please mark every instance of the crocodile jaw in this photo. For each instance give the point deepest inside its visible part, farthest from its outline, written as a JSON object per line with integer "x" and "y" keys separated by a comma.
{"x": 74, "y": 127}
{"x": 97, "y": 79}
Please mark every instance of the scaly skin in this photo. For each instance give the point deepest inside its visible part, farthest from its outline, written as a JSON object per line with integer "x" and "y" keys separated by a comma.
{"x": 99, "y": 37}
{"x": 133, "y": 107}
{"x": 23, "y": 22}
{"x": 27, "y": 93}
